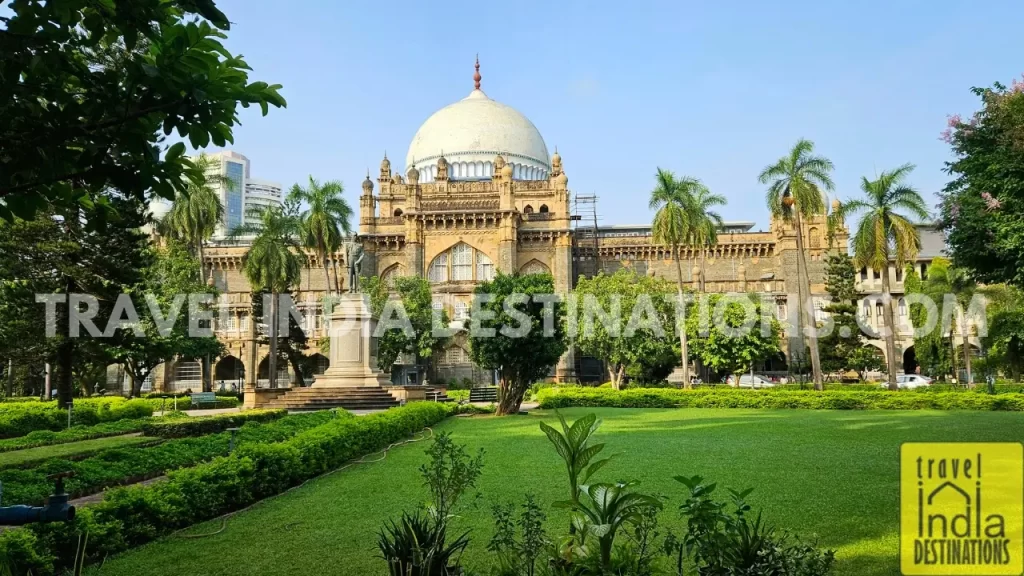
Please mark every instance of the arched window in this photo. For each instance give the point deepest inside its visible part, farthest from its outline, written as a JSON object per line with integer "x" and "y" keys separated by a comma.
{"x": 902, "y": 307}
{"x": 815, "y": 237}
{"x": 528, "y": 209}
{"x": 867, "y": 308}
{"x": 543, "y": 208}
{"x": 462, "y": 262}
{"x": 389, "y": 275}
{"x": 455, "y": 355}
{"x": 439, "y": 268}
{"x": 484, "y": 268}
{"x": 534, "y": 267}
{"x": 398, "y": 211}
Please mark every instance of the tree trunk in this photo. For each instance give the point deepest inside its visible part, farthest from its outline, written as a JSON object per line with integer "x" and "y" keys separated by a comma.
{"x": 327, "y": 275}
{"x": 703, "y": 285}
{"x": 10, "y": 377}
{"x": 272, "y": 360}
{"x": 48, "y": 380}
{"x": 337, "y": 280}
{"x": 202, "y": 264}
{"x": 812, "y": 335}
{"x": 890, "y": 330}
{"x": 682, "y": 329}
{"x": 65, "y": 359}
{"x": 207, "y": 376}
{"x": 967, "y": 350}
{"x": 510, "y": 398}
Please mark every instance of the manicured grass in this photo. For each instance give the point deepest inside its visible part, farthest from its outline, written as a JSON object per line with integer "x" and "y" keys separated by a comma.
{"x": 826, "y": 474}
{"x": 69, "y": 450}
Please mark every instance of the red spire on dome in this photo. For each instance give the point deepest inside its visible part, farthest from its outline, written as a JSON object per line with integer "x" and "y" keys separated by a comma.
{"x": 476, "y": 75}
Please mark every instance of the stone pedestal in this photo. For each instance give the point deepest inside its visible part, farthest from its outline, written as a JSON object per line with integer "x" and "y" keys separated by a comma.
{"x": 353, "y": 358}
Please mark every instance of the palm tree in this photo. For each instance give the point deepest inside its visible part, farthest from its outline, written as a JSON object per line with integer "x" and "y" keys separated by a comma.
{"x": 796, "y": 186}
{"x": 944, "y": 280}
{"x": 674, "y": 222}
{"x": 884, "y": 234}
{"x": 272, "y": 262}
{"x": 705, "y": 223}
{"x": 196, "y": 212}
{"x": 324, "y": 221}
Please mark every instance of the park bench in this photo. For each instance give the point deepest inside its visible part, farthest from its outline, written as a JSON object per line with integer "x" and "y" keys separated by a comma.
{"x": 200, "y": 398}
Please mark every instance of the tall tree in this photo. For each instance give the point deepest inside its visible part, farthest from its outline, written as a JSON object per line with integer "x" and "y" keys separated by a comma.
{"x": 736, "y": 342}
{"x": 197, "y": 211}
{"x": 89, "y": 86}
{"x": 673, "y": 226}
{"x": 796, "y": 186}
{"x": 843, "y": 349}
{"x": 326, "y": 217}
{"x": 982, "y": 208}
{"x": 639, "y": 309}
{"x": 886, "y": 233}
{"x": 705, "y": 224}
{"x": 520, "y": 359}
{"x": 413, "y": 292}
{"x": 272, "y": 262}
{"x": 170, "y": 273}
{"x": 959, "y": 282}
{"x": 931, "y": 349}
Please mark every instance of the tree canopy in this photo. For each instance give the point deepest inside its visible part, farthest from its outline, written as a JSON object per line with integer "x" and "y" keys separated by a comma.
{"x": 639, "y": 333}
{"x": 91, "y": 90}
{"x": 518, "y": 347}
{"x": 412, "y": 293}
{"x": 982, "y": 207}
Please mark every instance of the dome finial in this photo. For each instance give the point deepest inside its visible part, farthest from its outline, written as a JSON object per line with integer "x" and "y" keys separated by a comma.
{"x": 476, "y": 75}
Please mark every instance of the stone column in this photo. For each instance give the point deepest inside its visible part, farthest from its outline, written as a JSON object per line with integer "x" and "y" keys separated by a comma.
{"x": 561, "y": 268}
{"x": 353, "y": 357}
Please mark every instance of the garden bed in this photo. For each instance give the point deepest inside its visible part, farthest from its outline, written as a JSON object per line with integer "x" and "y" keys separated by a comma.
{"x": 131, "y": 516}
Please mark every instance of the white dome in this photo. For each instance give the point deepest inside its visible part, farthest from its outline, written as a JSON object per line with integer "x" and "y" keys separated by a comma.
{"x": 471, "y": 133}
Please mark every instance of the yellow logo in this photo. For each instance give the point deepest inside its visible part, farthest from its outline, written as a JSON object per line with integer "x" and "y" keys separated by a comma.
{"x": 962, "y": 508}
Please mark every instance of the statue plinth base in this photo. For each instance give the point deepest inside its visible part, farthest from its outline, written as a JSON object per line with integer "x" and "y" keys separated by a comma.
{"x": 353, "y": 356}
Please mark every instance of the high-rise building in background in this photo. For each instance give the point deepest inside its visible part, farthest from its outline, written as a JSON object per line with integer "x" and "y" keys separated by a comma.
{"x": 238, "y": 192}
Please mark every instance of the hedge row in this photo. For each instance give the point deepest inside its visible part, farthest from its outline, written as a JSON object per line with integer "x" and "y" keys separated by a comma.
{"x": 119, "y": 466}
{"x": 825, "y": 400}
{"x": 203, "y": 425}
{"x": 21, "y": 418}
{"x": 129, "y": 517}
{"x": 73, "y": 434}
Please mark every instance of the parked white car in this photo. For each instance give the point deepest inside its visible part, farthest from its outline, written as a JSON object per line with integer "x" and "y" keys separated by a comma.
{"x": 746, "y": 381}
{"x": 910, "y": 381}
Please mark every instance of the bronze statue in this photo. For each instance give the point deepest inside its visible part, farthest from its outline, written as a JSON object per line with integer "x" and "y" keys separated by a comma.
{"x": 355, "y": 259}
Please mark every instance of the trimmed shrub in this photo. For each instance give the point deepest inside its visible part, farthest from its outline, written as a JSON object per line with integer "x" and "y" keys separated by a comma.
{"x": 185, "y": 403}
{"x": 21, "y": 418}
{"x": 75, "y": 434}
{"x": 202, "y": 425}
{"x": 737, "y": 398}
{"x": 134, "y": 515}
{"x": 129, "y": 465}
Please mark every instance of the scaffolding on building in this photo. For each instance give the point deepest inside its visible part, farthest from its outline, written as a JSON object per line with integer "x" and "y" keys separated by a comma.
{"x": 586, "y": 260}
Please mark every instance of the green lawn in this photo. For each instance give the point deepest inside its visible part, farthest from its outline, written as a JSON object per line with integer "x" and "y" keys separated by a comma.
{"x": 70, "y": 449}
{"x": 829, "y": 474}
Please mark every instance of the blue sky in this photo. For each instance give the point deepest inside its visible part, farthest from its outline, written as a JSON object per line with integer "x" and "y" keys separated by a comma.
{"x": 713, "y": 91}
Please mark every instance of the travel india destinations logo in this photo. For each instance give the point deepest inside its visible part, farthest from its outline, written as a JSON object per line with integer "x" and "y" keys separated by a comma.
{"x": 962, "y": 508}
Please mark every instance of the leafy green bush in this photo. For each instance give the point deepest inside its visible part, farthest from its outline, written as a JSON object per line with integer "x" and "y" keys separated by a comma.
{"x": 133, "y": 464}
{"x": 134, "y": 515}
{"x": 737, "y": 398}
{"x": 21, "y": 418}
{"x": 202, "y": 425}
{"x": 457, "y": 395}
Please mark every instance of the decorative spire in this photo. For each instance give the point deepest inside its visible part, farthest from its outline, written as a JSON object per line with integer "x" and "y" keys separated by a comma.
{"x": 476, "y": 75}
